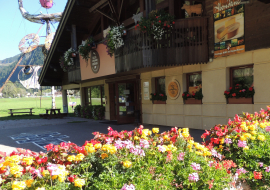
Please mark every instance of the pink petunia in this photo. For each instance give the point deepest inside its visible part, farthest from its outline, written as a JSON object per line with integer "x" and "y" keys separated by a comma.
{"x": 194, "y": 177}
{"x": 181, "y": 156}
{"x": 242, "y": 143}
{"x": 267, "y": 129}
{"x": 195, "y": 166}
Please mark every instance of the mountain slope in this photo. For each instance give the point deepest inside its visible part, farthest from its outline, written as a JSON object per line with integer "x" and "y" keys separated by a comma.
{"x": 35, "y": 57}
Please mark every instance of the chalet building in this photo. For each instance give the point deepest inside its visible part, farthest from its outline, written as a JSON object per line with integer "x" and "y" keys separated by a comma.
{"x": 213, "y": 46}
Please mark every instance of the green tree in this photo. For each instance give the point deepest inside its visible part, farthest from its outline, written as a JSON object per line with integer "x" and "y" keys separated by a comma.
{"x": 9, "y": 90}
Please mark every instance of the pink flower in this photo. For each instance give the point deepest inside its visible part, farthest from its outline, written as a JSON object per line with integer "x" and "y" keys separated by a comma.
{"x": 267, "y": 129}
{"x": 161, "y": 148}
{"x": 267, "y": 169}
{"x": 261, "y": 164}
{"x": 241, "y": 171}
{"x": 193, "y": 177}
{"x": 181, "y": 156}
{"x": 195, "y": 166}
{"x": 228, "y": 141}
{"x": 128, "y": 187}
{"x": 144, "y": 143}
{"x": 242, "y": 143}
{"x": 243, "y": 90}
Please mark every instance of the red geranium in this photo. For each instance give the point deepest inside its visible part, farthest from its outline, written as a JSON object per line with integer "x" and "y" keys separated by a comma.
{"x": 230, "y": 88}
{"x": 233, "y": 94}
{"x": 250, "y": 88}
{"x": 257, "y": 175}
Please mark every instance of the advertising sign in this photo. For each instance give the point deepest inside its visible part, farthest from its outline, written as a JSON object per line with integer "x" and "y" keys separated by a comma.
{"x": 229, "y": 22}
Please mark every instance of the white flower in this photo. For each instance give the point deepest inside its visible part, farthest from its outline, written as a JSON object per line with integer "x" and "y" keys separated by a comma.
{"x": 83, "y": 43}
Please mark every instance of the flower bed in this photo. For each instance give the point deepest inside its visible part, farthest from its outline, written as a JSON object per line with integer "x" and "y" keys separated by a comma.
{"x": 137, "y": 159}
{"x": 245, "y": 140}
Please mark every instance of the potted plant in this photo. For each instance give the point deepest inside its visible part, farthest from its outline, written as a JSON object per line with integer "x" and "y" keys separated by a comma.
{"x": 156, "y": 24}
{"x": 239, "y": 95}
{"x": 158, "y": 98}
{"x": 86, "y": 46}
{"x": 114, "y": 39}
{"x": 67, "y": 60}
{"x": 194, "y": 98}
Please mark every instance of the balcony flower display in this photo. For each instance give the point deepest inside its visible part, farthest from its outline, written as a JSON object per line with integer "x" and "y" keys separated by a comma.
{"x": 245, "y": 140}
{"x": 85, "y": 48}
{"x": 114, "y": 39}
{"x": 138, "y": 159}
{"x": 67, "y": 61}
{"x": 156, "y": 24}
{"x": 239, "y": 92}
{"x": 197, "y": 95}
{"x": 158, "y": 97}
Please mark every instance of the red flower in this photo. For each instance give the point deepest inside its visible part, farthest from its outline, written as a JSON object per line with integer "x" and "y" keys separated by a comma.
{"x": 257, "y": 175}
{"x": 71, "y": 179}
{"x": 154, "y": 94}
{"x": 240, "y": 90}
{"x": 218, "y": 166}
{"x": 44, "y": 160}
{"x": 183, "y": 94}
{"x": 225, "y": 92}
{"x": 159, "y": 21}
{"x": 135, "y": 27}
{"x": 230, "y": 88}
{"x": 193, "y": 94}
{"x": 237, "y": 85}
{"x": 207, "y": 133}
{"x": 233, "y": 94}
{"x": 157, "y": 16}
{"x": 168, "y": 26}
{"x": 49, "y": 147}
{"x": 187, "y": 95}
{"x": 250, "y": 88}
{"x": 173, "y": 22}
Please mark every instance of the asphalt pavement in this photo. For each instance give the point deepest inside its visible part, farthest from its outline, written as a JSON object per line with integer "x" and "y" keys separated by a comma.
{"x": 35, "y": 134}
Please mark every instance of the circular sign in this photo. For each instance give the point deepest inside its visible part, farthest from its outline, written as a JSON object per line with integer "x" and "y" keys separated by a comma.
{"x": 173, "y": 89}
{"x": 95, "y": 61}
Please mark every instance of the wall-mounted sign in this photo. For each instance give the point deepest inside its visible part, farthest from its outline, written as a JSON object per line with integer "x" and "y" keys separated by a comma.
{"x": 95, "y": 61}
{"x": 228, "y": 27}
{"x": 173, "y": 89}
{"x": 146, "y": 91}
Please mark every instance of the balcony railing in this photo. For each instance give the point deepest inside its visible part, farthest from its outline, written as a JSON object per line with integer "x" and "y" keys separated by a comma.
{"x": 74, "y": 73}
{"x": 186, "y": 44}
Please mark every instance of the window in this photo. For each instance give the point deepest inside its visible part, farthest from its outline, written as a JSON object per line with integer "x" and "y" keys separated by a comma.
{"x": 95, "y": 95}
{"x": 194, "y": 82}
{"x": 241, "y": 76}
{"x": 160, "y": 85}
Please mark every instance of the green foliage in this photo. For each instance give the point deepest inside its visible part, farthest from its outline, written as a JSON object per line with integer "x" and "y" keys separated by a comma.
{"x": 197, "y": 95}
{"x": 158, "y": 96}
{"x": 96, "y": 112}
{"x": 77, "y": 110}
{"x": 86, "y": 47}
{"x": 239, "y": 91}
{"x": 156, "y": 23}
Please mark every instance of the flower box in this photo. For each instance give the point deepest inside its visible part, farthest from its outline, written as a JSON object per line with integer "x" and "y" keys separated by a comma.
{"x": 159, "y": 102}
{"x": 193, "y": 101}
{"x": 241, "y": 100}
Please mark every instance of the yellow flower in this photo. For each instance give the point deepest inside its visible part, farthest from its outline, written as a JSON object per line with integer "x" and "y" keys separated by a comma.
{"x": 220, "y": 147}
{"x": 90, "y": 149}
{"x": 28, "y": 160}
{"x": 71, "y": 158}
{"x": 198, "y": 153}
{"x": 244, "y": 126}
{"x": 149, "y": 133}
{"x": 145, "y": 132}
{"x": 90, "y": 144}
{"x": 127, "y": 164}
{"x": 104, "y": 155}
{"x": 136, "y": 138}
{"x": 113, "y": 149}
{"x": 61, "y": 178}
{"x": 29, "y": 182}
{"x": 243, "y": 138}
{"x": 45, "y": 172}
{"x": 246, "y": 148}
{"x": 79, "y": 157}
{"x": 155, "y": 130}
{"x": 98, "y": 146}
{"x": 252, "y": 138}
{"x": 253, "y": 132}
{"x": 172, "y": 148}
{"x": 154, "y": 143}
{"x": 247, "y": 135}
{"x": 179, "y": 130}
{"x": 261, "y": 137}
{"x": 16, "y": 170}
{"x": 221, "y": 141}
{"x": 252, "y": 127}
{"x": 165, "y": 137}
{"x": 262, "y": 125}
{"x": 54, "y": 177}
{"x": 79, "y": 182}
{"x": 18, "y": 185}
{"x": 191, "y": 142}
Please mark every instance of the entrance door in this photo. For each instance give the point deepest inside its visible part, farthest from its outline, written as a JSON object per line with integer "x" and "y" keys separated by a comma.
{"x": 126, "y": 100}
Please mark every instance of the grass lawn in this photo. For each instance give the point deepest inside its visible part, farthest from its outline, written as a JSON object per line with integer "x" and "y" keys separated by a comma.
{"x": 46, "y": 102}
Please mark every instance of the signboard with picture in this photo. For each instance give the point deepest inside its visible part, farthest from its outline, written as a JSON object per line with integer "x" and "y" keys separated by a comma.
{"x": 229, "y": 19}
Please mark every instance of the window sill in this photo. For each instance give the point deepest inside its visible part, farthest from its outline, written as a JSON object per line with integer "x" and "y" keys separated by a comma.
{"x": 158, "y": 102}
{"x": 240, "y": 100}
{"x": 193, "y": 101}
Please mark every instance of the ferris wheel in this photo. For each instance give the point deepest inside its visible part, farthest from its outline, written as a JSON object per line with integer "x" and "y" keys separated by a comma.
{"x": 31, "y": 41}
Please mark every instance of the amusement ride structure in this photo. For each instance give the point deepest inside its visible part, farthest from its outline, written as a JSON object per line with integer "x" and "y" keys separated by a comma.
{"x": 31, "y": 41}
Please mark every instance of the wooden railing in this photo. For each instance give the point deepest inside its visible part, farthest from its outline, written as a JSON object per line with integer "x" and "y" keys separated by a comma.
{"x": 186, "y": 44}
{"x": 74, "y": 73}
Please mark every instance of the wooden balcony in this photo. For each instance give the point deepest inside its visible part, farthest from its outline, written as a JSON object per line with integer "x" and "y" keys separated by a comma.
{"x": 74, "y": 73}
{"x": 186, "y": 44}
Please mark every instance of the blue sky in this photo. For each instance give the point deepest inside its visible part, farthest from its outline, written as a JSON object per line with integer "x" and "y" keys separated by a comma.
{"x": 13, "y": 27}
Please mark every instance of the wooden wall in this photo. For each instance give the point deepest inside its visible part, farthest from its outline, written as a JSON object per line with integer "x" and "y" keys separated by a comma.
{"x": 257, "y": 27}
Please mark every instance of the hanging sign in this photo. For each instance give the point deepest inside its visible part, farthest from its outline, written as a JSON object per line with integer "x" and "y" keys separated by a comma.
{"x": 174, "y": 89}
{"x": 228, "y": 27}
{"x": 95, "y": 61}
{"x": 146, "y": 91}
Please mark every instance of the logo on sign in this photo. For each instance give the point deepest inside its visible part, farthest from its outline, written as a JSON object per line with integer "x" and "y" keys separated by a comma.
{"x": 95, "y": 61}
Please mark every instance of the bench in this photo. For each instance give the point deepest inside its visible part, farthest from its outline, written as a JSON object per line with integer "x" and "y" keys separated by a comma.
{"x": 51, "y": 113}
{"x": 11, "y": 111}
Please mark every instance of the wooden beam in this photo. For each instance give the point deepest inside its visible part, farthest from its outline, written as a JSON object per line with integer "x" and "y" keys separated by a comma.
{"x": 171, "y": 7}
{"x": 114, "y": 12}
{"x": 109, "y": 17}
{"x": 141, "y": 5}
{"x": 97, "y": 5}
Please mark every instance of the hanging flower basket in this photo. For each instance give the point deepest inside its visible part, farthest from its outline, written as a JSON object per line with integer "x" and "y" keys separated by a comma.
{"x": 67, "y": 60}
{"x": 86, "y": 46}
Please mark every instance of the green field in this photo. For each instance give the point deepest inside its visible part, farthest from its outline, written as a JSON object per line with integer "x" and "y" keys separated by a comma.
{"x": 46, "y": 102}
